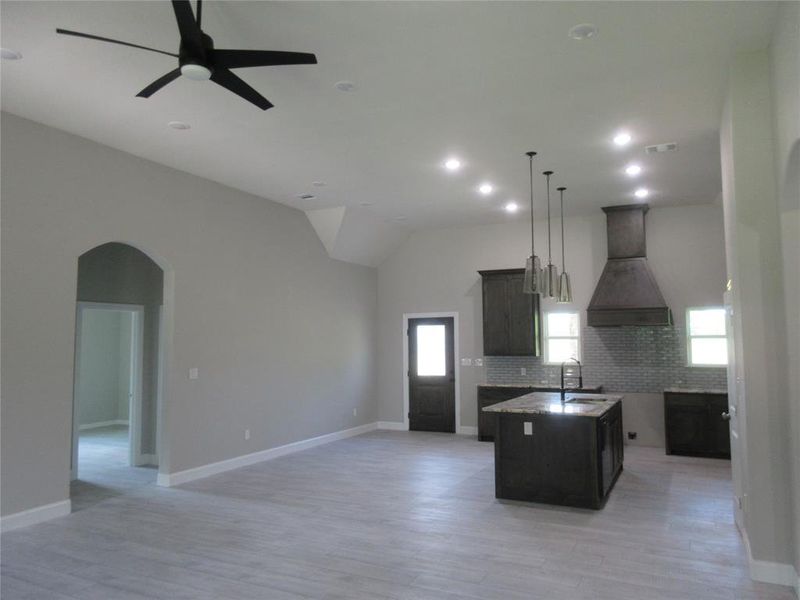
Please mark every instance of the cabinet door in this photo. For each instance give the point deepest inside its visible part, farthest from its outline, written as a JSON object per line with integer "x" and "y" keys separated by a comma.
{"x": 488, "y": 396}
{"x": 522, "y": 324}
{"x": 686, "y": 426}
{"x": 719, "y": 434}
{"x": 495, "y": 316}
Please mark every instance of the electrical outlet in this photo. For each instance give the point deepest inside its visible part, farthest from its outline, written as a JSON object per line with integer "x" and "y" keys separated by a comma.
{"x": 523, "y": 371}
{"x": 478, "y": 362}
{"x": 246, "y": 434}
{"x": 194, "y": 373}
{"x": 466, "y": 362}
{"x": 527, "y": 428}
{"x": 355, "y": 412}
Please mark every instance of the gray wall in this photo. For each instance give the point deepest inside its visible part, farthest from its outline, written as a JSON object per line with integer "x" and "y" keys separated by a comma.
{"x": 121, "y": 274}
{"x": 284, "y": 337}
{"x": 438, "y": 271}
{"x": 785, "y": 62}
{"x": 103, "y": 385}
{"x": 759, "y": 279}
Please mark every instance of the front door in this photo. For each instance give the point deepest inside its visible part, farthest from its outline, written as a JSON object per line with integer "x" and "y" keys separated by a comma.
{"x": 431, "y": 375}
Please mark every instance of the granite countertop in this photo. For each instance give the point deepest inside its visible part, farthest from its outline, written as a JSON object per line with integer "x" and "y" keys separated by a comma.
{"x": 533, "y": 385}
{"x": 680, "y": 390}
{"x": 549, "y": 403}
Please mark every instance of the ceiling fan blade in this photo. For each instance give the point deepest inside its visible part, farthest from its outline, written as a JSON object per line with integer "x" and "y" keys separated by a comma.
{"x": 236, "y": 85}
{"x": 105, "y": 39}
{"x": 235, "y": 59}
{"x": 188, "y": 27}
{"x": 159, "y": 83}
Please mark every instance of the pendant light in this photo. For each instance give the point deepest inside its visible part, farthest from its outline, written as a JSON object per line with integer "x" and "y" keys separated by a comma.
{"x": 564, "y": 285}
{"x": 550, "y": 286}
{"x": 533, "y": 266}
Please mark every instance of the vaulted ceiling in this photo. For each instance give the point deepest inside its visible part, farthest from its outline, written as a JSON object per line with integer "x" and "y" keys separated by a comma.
{"x": 484, "y": 81}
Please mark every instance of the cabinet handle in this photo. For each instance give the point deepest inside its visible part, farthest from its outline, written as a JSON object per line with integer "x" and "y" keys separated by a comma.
{"x": 726, "y": 416}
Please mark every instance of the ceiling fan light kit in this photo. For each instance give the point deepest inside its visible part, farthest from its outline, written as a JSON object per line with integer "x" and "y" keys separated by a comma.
{"x": 200, "y": 61}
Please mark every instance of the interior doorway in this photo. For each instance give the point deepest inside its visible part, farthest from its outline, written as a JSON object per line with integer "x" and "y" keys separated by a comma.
{"x": 117, "y": 373}
{"x": 108, "y": 385}
{"x": 431, "y": 374}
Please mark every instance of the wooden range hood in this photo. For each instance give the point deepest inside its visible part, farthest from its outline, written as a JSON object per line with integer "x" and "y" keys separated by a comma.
{"x": 627, "y": 293}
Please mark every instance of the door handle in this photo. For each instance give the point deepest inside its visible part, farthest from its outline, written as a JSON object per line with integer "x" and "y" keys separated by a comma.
{"x": 726, "y": 416}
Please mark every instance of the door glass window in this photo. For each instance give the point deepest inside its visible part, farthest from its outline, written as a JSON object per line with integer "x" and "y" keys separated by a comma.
{"x": 431, "y": 350}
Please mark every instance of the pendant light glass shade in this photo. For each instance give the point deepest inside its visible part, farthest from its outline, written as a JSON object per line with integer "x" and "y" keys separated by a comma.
{"x": 564, "y": 289}
{"x": 564, "y": 285}
{"x": 533, "y": 276}
{"x": 532, "y": 284}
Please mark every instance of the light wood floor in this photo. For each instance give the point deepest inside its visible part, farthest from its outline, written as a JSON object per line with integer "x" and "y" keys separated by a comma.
{"x": 392, "y": 515}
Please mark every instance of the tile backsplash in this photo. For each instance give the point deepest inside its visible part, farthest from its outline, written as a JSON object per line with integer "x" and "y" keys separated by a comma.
{"x": 623, "y": 359}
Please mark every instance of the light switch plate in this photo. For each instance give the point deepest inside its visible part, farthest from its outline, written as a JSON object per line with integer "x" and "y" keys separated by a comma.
{"x": 193, "y": 373}
{"x": 466, "y": 362}
{"x": 527, "y": 428}
{"x": 478, "y": 362}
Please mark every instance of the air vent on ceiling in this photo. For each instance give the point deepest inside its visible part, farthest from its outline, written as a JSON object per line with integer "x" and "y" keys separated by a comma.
{"x": 671, "y": 147}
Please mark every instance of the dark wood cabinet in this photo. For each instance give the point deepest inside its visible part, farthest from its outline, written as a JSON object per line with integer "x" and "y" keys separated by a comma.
{"x": 488, "y": 395}
{"x": 694, "y": 424}
{"x": 565, "y": 459}
{"x": 511, "y": 319}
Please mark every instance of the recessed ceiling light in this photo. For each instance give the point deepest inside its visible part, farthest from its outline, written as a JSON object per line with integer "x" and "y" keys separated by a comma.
{"x": 9, "y": 54}
{"x": 345, "y": 86}
{"x": 642, "y": 193}
{"x": 318, "y": 183}
{"x": 452, "y": 164}
{"x": 584, "y": 31}
{"x": 633, "y": 170}
{"x": 365, "y": 203}
{"x": 623, "y": 138}
{"x": 179, "y": 125}
{"x": 511, "y": 207}
{"x": 486, "y": 189}
{"x": 400, "y": 219}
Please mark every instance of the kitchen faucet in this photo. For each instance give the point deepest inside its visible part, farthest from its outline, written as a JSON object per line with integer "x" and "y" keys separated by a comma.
{"x": 580, "y": 377}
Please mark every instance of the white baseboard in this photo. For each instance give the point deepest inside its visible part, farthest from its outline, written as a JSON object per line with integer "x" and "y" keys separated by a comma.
{"x": 392, "y": 425}
{"x": 399, "y": 426}
{"x": 771, "y": 572}
{"x": 171, "y": 479}
{"x": 99, "y": 424}
{"x": 35, "y": 515}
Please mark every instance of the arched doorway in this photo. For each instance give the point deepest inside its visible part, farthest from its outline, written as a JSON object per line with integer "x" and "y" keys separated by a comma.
{"x": 118, "y": 368}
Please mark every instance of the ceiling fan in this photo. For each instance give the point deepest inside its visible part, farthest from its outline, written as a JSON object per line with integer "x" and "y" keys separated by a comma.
{"x": 199, "y": 60}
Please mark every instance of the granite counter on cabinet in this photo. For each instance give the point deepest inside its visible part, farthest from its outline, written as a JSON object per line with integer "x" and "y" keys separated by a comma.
{"x": 490, "y": 393}
{"x": 567, "y": 454}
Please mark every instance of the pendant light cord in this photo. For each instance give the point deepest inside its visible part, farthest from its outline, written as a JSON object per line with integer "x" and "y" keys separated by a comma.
{"x": 563, "y": 260}
{"x": 549, "y": 247}
{"x": 530, "y": 165}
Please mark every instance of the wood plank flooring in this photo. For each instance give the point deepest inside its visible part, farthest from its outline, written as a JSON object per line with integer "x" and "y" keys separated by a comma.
{"x": 398, "y": 515}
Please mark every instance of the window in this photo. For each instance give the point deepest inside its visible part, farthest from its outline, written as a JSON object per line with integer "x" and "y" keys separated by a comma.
{"x": 562, "y": 337}
{"x": 706, "y": 333}
{"x": 431, "y": 352}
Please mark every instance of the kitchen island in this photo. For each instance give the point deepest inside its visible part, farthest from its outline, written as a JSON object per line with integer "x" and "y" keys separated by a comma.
{"x": 568, "y": 453}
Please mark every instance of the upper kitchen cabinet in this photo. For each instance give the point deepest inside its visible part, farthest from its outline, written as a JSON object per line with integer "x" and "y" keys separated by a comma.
{"x": 511, "y": 319}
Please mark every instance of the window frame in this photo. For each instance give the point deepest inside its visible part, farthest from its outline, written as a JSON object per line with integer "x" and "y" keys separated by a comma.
{"x": 690, "y": 337}
{"x": 547, "y": 336}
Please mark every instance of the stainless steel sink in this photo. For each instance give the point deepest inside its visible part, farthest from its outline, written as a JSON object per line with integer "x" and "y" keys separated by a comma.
{"x": 586, "y": 400}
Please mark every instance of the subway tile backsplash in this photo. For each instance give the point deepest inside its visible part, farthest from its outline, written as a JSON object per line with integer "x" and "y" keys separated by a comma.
{"x": 623, "y": 359}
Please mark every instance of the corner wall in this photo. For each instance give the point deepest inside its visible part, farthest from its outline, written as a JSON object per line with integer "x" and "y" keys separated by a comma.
{"x": 284, "y": 337}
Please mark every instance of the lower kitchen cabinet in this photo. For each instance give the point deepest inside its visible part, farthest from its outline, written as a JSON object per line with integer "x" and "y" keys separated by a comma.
{"x": 695, "y": 424}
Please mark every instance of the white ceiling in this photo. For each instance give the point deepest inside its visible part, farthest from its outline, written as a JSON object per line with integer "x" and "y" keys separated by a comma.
{"x": 485, "y": 81}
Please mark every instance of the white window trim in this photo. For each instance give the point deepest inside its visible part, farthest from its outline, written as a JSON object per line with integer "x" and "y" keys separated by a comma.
{"x": 579, "y": 337}
{"x": 690, "y": 337}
